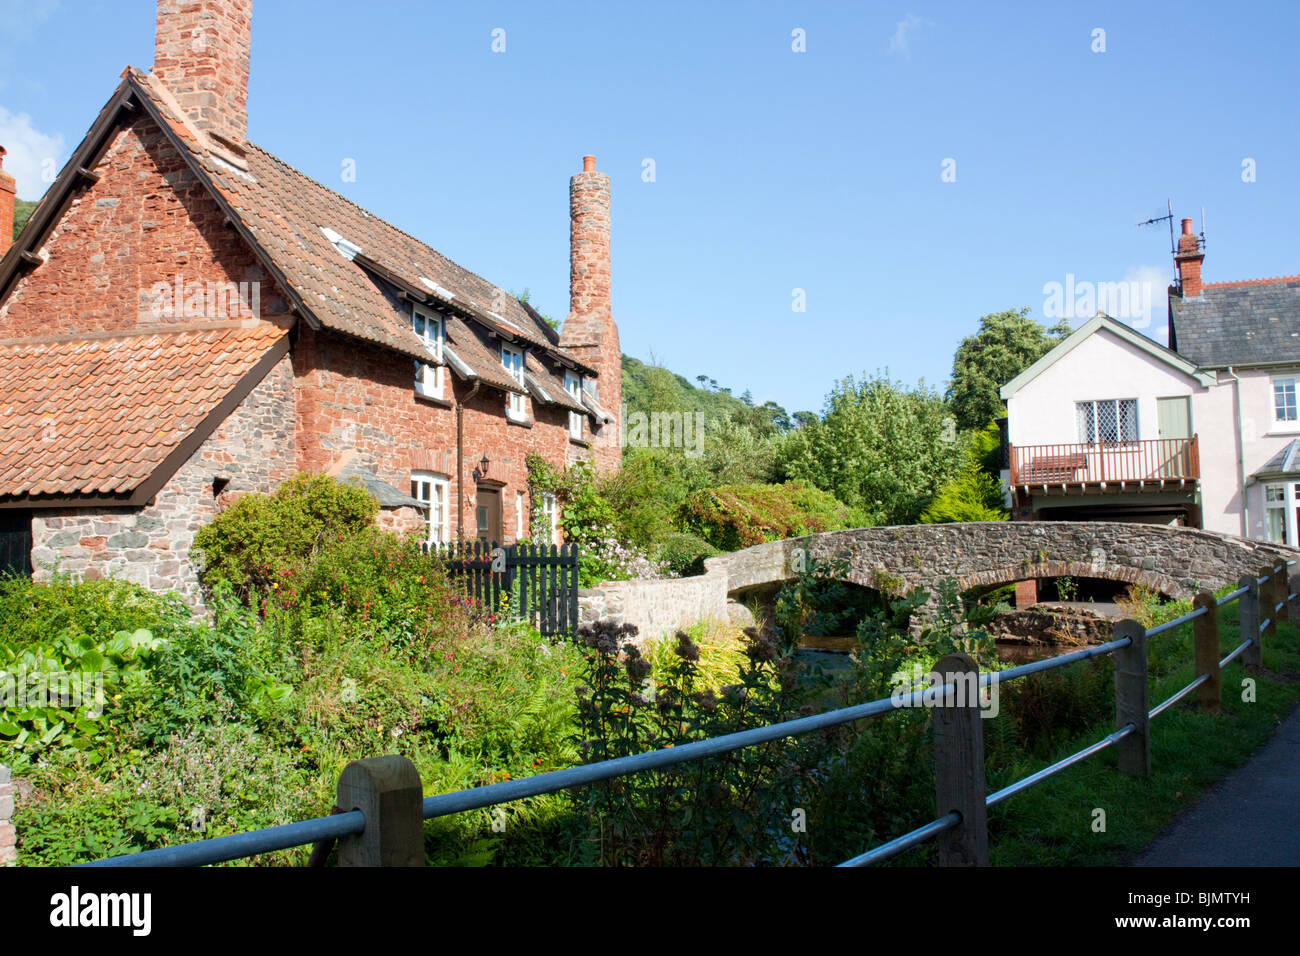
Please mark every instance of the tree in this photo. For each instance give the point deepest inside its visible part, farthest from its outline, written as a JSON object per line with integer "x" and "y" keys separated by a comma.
{"x": 880, "y": 447}
{"x": 975, "y": 494}
{"x": 804, "y": 419}
{"x": 1006, "y": 344}
{"x": 524, "y": 297}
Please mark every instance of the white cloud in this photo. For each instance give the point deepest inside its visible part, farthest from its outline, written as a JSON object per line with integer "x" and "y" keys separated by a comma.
{"x": 33, "y": 157}
{"x": 1146, "y": 290}
{"x": 898, "y": 43}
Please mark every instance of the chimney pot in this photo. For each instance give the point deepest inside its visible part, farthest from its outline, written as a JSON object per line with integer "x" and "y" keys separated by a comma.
{"x": 589, "y": 164}
{"x": 1187, "y": 227}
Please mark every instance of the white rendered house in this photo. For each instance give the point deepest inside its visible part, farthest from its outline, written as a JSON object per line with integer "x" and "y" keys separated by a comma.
{"x": 1204, "y": 431}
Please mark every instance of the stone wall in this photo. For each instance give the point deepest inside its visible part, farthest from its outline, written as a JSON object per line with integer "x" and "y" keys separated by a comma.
{"x": 1174, "y": 560}
{"x": 8, "y": 836}
{"x": 251, "y": 451}
{"x": 147, "y": 221}
{"x": 657, "y": 608}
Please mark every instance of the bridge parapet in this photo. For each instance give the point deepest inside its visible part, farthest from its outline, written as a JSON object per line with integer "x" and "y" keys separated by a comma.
{"x": 1174, "y": 560}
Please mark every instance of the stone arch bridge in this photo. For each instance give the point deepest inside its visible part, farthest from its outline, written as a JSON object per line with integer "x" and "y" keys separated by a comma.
{"x": 1174, "y": 560}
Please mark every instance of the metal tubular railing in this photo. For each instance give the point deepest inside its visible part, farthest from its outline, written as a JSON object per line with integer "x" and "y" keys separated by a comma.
{"x": 906, "y": 841}
{"x": 240, "y": 845}
{"x": 353, "y": 823}
{"x": 1024, "y": 783}
{"x": 1236, "y": 651}
{"x": 1178, "y": 696}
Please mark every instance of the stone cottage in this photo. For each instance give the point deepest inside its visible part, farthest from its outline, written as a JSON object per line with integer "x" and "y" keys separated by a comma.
{"x": 187, "y": 317}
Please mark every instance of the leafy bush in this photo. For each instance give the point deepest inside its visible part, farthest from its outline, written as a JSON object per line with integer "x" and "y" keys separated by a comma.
{"x": 684, "y": 553}
{"x": 68, "y": 653}
{"x": 728, "y": 810}
{"x": 738, "y": 516}
{"x": 251, "y": 544}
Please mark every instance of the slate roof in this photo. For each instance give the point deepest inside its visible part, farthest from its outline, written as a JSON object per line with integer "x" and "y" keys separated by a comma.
{"x": 1255, "y": 322}
{"x": 388, "y": 496}
{"x": 285, "y": 211}
{"x": 98, "y": 415}
{"x": 1285, "y": 464}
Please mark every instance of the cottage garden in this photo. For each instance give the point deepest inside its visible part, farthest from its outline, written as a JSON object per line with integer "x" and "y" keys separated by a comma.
{"x": 329, "y": 639}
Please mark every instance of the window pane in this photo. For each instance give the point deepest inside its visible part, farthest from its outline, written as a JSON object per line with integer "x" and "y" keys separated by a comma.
{"x": 1128, "y": 419}
{"x": 1284, "y": 399}
{"x": 1087, "y": 422}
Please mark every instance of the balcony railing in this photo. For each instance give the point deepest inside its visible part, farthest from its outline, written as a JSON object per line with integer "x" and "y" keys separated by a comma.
{"x": 1157, "y": 460}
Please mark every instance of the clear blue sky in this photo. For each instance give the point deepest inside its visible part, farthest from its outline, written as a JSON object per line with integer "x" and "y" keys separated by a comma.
{"x": 775, "y": 170}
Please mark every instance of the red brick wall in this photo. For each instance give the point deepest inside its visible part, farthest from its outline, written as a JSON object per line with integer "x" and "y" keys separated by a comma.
{"x": 356, "y": 397}
{"x": 589, "y": 331}
{"x": 7, "y": 193}
{"x": 146, "y": 221}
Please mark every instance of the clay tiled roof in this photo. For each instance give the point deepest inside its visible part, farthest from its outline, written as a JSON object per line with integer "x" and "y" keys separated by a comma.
{"x": 286, "y": 213}
{"x": 98, "y": 415}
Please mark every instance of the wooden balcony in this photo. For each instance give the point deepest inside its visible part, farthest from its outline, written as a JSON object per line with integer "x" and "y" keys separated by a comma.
{"x": 1129, "y": 465}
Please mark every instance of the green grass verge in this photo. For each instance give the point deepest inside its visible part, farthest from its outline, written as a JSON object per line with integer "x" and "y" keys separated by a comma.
{"x": 1053, "y": 824}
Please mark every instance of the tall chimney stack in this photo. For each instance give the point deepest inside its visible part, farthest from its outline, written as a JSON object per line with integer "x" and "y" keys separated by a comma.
{"x": 8, "y": 191}
{"x": 201, "y": 55}
{"x": 589, "y": 331}
{"x": 1188, "y": 259}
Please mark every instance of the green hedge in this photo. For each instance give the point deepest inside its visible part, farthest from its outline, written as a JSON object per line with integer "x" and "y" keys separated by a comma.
{"x": 739, "y": 516}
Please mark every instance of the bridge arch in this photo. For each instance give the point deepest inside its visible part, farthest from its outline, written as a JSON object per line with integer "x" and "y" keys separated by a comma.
{"x": 1174, "y": 560}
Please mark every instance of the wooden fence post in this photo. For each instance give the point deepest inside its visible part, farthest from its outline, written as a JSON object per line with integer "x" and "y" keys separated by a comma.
{"x": 1249, "y": 615}
{"x": 1134, "y": 750}
{"x": 1269, "y": 599}
{"x": 1205, "y": 631}
{"x": 959, "y": 779}
{"x": 387, "y": 790}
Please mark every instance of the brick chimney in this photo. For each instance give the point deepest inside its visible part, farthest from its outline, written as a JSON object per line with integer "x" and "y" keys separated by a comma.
{"x": 201, "y": 55}
{"x": 8, "y": 190}
{"x": 589, "y": 331}
{"x": 1188, "y": 259}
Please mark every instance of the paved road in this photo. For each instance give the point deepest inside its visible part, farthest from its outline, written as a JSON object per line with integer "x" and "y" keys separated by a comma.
{"x": 1251, "y": 819}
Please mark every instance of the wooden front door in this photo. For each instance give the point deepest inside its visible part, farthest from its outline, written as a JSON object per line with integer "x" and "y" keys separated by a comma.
{"x": 488, "y": 514}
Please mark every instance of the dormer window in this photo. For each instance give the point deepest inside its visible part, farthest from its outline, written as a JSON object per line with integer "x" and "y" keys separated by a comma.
{"x": 512, "y": 359}
{"x": 573, "y": 385}
{"x": 429, "y": 376}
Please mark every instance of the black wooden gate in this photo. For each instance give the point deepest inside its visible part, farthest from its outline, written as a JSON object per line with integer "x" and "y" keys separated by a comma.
{"x": 536, "y": 583}
{"x": 15, "y": 542}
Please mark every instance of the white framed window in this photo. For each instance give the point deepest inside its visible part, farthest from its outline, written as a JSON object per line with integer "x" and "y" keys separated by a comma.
{"x": 548, "y": 530}
{"x": 521, "y": 524}
{"x": 512, "y": 360}
{"x": 1282, "y": 513}
{"x": 1109, "y": 420}
{"x": 1285, "y": 411}
{"x": 432, "y": 490}
{"x": 429, "y": 376}
{"x": 573, "y": 385}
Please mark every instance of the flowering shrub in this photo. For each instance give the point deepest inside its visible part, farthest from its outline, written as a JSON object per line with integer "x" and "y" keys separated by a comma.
{"x": 602, "y": 557}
